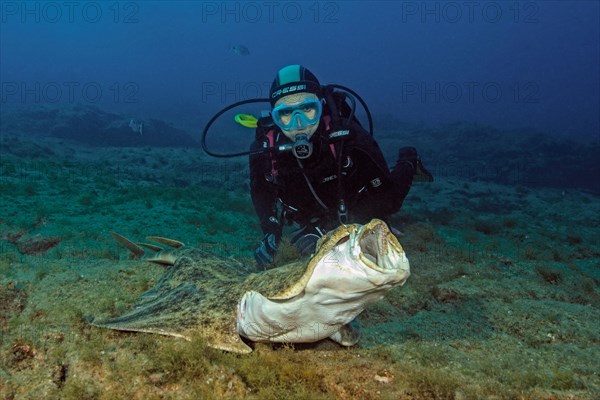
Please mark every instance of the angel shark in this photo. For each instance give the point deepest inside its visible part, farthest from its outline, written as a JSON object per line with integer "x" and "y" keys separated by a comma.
{"x": 301, "y": 302}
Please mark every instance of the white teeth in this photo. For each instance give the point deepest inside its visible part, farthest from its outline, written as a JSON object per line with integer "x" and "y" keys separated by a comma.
{"x": 384, "y": 242}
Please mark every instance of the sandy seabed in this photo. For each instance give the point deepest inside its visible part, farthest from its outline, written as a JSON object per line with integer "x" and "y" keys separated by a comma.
{"x": 503, "y": 301}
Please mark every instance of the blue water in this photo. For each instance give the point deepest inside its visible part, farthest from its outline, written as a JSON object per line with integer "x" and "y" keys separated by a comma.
{"x": 507, "y": 64}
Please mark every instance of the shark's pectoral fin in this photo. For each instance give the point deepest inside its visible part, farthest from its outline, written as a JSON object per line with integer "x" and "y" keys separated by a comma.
{"x": 171, "y": 313}
{"x": 176, "y": 312}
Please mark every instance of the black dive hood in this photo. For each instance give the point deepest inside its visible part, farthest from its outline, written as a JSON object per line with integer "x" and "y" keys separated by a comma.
{"x": 341, "y": 117}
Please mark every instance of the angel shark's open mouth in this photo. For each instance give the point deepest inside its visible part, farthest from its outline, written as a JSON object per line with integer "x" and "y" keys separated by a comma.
{"x": 378, "y": 248}
{"x": 353, "y": 267}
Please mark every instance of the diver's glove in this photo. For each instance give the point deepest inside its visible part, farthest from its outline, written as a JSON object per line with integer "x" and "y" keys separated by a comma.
{"x": 409, "y": 161}
{"x": 265, "y": 252}
{"x": 305, "y": 238}
{"x": 267, "y": 248}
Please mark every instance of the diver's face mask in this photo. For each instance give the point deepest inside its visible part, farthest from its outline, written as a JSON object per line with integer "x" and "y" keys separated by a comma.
{"x": 297, "y": 117}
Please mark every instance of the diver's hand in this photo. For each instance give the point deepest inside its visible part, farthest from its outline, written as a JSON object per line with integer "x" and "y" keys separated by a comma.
{"x": 409, "y": 156}
{"x": 305, "y": 239}
{"x": 265, "y": 252}
{"x": 410, "y": 160}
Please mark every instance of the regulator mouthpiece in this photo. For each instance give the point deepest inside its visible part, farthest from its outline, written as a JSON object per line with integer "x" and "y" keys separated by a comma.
{"x": 302, "y": 148}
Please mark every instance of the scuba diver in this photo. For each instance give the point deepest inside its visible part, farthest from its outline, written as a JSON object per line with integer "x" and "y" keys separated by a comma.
{"x": 327, "y": 170}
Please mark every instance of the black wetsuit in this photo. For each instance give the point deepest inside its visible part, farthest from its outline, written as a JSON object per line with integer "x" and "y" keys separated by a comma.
{"x": 368, "y": 188}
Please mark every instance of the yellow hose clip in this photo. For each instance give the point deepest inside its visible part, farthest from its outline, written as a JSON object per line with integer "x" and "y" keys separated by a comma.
{"x": 247, "y": 120}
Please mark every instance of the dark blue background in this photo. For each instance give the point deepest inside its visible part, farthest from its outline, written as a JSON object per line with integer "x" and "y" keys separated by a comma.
{"x": 508, "y": 64}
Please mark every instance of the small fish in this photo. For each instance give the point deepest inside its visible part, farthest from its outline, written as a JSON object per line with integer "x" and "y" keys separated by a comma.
{"x": 240, "y": 50}
{"x": 136, "y": 126}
